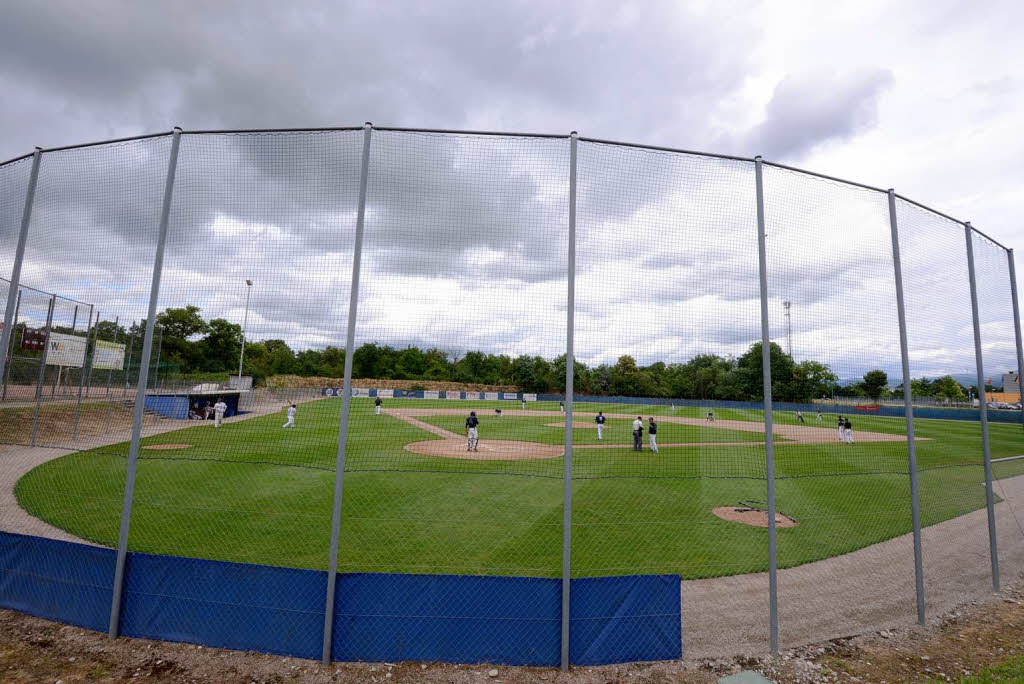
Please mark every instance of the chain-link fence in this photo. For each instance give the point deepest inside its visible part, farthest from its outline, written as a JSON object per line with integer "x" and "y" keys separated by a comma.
{"x": 393, "y": 394}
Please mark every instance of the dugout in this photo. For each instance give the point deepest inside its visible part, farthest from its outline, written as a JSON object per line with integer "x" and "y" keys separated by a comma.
{"x": 176, "y": 404}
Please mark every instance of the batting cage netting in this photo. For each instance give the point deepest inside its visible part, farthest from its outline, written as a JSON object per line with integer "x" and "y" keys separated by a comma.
{"x": 390, "y": 394}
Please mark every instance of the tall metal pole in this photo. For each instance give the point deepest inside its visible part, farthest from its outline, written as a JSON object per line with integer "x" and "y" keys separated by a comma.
{"x": 9, "y": 353}
{"x": 42, "y": 369}
{"x": 570, "y": 368}
{"x": 1016, "y": 331}
{"x": 110, "y": 371}
{"x": 989, "y": 499}
{"x": 128, "y": 359}
{"x": 140, "y": 392}
{"x": 908, "y": 408}
{"x": 245, "y": 324}
{"x": 156, "y": 366}
{"x": 92, "y": 358}
{"x": 13, "y": 292}
{"x": 769, "y": 444}
{"x": 86, "y": 363}
{"x": 346, "y": 397}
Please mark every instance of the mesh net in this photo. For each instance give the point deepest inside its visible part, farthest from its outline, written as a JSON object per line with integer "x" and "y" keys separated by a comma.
{"x": 456, "y": 430}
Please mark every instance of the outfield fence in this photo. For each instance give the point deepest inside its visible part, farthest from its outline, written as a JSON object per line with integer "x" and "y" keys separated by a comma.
{"x": 720, "y": 301}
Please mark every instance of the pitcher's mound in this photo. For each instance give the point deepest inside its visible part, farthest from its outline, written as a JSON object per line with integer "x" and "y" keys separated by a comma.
{"x": 752, "y": 516}
{"x": 489, "y": 449}
{"x": 164, "y": 447}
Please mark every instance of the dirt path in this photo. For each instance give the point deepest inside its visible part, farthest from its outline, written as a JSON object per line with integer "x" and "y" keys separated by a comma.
{"x": 800, "y": 434}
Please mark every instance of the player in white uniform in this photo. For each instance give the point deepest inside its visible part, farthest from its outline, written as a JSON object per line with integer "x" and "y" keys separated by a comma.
{"x": 600, "y": 425}
{"x": 291, "y": 417}
{"x": 848, "y": 428}
{"x": 376, "y": 406}
{"x": 819, "y": 415}
{"x": 842, "y": 436}
{"x": 218, "y": 412}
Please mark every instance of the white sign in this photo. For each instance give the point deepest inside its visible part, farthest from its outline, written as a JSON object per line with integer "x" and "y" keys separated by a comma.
{"x": 431, "y": 394}
{"x": 108, "y": 355}
{"x": 529, "y": 397}
{"x": 385, "y": 394}
{"x": 360, "y": 392}
{"x": 66, "y": 350}
{"x": 490, "y": 395}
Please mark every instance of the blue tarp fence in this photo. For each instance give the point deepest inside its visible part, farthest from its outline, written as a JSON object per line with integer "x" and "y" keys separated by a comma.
{"x": 378, "y": 617}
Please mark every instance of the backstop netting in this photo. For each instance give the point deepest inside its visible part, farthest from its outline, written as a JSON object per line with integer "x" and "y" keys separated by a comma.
{"x": 476, "y": 397}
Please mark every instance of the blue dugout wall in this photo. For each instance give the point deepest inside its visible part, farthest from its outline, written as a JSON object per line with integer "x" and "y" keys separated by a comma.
{"x": 378, "y": 617}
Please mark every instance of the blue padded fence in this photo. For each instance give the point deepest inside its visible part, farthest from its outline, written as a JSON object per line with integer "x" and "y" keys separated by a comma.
{"x": 379, "y": 617}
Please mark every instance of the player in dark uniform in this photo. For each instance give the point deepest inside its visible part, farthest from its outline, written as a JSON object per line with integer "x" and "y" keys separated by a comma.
{"x": 599, "y": 419}
{"x": 472, "y": 438}
{"x": 652, "y": 434}
{"x": 848, "y": 427}
{"x": 376, "y": 405}
{"x": 841, "y": 429}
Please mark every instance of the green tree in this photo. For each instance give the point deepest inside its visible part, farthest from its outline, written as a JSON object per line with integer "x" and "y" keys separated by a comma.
{"x": 221, "y": 346}
{"x": 874, "y": 383}
{"x": 749, "y": 373}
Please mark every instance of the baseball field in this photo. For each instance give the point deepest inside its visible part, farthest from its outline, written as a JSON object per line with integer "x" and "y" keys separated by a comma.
{"x": 416, "y": 501}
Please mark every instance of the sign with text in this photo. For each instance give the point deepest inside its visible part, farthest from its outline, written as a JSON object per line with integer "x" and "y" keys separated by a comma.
{"x": 66, "y": 350}
{"x": 108, "y": 355}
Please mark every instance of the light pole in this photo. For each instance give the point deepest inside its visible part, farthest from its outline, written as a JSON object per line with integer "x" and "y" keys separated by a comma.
{"x": 245, "y": 322}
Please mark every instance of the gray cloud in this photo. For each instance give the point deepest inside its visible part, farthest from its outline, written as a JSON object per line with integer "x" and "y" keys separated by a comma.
{"x": 808, "y": 109}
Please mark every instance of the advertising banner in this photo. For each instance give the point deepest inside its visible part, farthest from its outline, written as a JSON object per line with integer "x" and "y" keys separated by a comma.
{"x": 66, "y": 350}
{"x": 108, "y": 355}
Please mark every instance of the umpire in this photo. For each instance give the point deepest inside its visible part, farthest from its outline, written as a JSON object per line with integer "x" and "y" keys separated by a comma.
{"x": 638, "y": 434}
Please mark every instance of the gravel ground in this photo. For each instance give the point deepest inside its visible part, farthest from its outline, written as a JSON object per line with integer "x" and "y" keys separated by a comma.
{"x": 977, "y": 635}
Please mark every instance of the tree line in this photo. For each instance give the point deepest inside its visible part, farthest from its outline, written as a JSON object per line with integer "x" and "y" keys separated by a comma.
{"x": 198, "y": 346}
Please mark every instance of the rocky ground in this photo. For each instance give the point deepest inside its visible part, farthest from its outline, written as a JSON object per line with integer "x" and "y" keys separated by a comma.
{"x": 964, "y": 645}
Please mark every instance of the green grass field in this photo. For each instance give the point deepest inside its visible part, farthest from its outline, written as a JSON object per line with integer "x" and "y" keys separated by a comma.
{"x": 254, "y": 492}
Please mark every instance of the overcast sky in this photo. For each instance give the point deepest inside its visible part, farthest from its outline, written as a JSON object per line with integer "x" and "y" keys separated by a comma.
{"x": 466, "y": 242}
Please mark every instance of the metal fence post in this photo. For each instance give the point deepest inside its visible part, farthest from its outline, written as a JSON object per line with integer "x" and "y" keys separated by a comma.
{"x": 570, "y": 371}
{"x": 769, "y": 445}
{"x": 86, "y": 362}
{"x": 92, "y": 358}
{"x": 110, "y": 371}
{"x": 908, "y": 408}
{"x": 346, "y": 398}
{"x": 140, "y": 392}
{"x": 9, "y": 349}
{"x": 128, "y": 360}
{"x": 19, "y": 253}
{"x": 983, "y": 409}
{"x": 42, "y": 369}
{"x": 1016, "y": 329}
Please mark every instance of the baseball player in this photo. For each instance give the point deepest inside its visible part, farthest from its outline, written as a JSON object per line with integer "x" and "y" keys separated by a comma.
{"x": 652, "y": 434}
{"x": 799, "y": 417}
{"x": 849, "y": 431}
{"x": 600, "y": 425}
{"x": 376, "y": 406}
{"x": 497, "y": 412}
{"x": 842, "y": 429}
{"x": 291, "y": 417}
{"x": 819, "y": 415}
{"x": 638, "y": 434}
{"x": 561, "y": 406}
{"x": 218, "y": 412}
{"x": 472, "y": 439}
{"x": 524, "y": 403}
{"x": 710, "y": 418}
